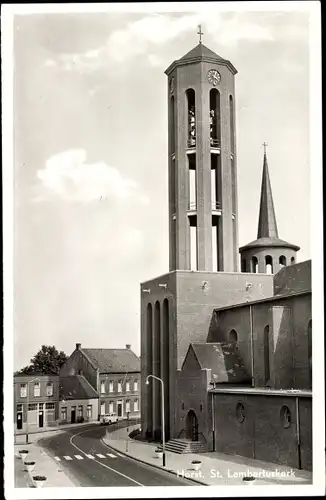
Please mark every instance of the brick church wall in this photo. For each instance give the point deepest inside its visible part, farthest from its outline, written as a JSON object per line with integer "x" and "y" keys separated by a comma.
{"x": 262, "y": 434}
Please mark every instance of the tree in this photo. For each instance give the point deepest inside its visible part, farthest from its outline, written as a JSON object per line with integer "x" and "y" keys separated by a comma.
{"x": 47, "y": 359}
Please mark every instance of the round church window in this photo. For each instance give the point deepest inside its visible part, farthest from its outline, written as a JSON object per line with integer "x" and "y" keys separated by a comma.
{"x": 286, "y": 416}
{"x": 240, "y": 412}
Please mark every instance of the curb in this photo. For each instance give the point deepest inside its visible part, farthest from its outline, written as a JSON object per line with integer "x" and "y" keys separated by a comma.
{"x": 171, "y": 471}
{"x": 55, "y": 429}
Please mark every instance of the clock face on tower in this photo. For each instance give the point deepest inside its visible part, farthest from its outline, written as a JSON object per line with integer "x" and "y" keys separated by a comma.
{"x": 213, "y": 76}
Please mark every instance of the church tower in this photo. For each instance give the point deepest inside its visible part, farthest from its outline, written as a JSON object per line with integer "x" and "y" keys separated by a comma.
{"x": 267, "y": 254}
{"x": 177, "y": 307}
{"x": 203, "y": 222}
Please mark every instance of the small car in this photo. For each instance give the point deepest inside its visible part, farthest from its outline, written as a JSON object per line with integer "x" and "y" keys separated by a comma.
{"x": 109, "y": 418}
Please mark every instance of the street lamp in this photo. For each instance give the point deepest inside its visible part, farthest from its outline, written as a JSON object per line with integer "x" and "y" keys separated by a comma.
{"x": 33, "y": 380}
{"x": 163, "y": 423}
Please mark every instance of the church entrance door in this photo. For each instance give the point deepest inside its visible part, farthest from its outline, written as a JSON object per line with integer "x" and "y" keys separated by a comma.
{"x": 192, "y": 426}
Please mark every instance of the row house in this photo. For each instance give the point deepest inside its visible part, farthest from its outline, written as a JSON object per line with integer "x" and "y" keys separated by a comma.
{"x": 36, "y": 401}
{"x": 113, "y": 373}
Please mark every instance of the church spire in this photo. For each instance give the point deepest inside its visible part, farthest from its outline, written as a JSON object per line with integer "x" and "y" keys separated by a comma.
{"x": 267, "y": 227}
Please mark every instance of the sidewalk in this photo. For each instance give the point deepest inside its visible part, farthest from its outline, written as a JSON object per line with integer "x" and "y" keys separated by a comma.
{"x": 44, "y": 466}
{"x": 216, "y": 469}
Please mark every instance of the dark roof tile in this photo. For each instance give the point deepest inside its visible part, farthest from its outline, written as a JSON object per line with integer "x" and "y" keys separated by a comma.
{"x": 113, "y": 360}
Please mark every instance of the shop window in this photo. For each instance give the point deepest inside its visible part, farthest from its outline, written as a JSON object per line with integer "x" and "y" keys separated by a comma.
{"x": 32, "y": 407}
{"x": 49, "y": 406}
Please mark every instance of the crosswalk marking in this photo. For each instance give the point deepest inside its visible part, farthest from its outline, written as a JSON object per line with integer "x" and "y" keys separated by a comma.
{"x": 111, "y": 455}
{"x": 100, "y": 455}
{"x": 79, "y": 457}
{"x": 57, "y": 459}
{"x": 67, "y": 458}
{"x": 89, "y": 456}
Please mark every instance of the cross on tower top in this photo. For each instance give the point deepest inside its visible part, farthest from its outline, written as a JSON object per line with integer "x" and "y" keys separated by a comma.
{"x": 199, "y": 32}
{"x": 265, "y": 146}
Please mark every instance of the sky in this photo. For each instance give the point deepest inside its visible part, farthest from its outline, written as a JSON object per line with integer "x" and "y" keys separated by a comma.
{"x": 90, "y": 157}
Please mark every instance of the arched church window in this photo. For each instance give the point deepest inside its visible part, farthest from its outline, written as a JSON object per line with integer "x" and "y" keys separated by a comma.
{"x": 214, "y": 118}
{"x": 172, "y": 130}
{"x": 190, "y": 93}
{"x": 282, "y": 261}
{"x": 286, "y": 416}
{"x": 233, "y": 337}
{"x": 231, "y": 123}
{"x": 254, "y": 265}
{"x": 269, "y": 264}
{"x": 292, "y": 261}
{"x": 310, "y": 350}
{"x": 266, "y": 354}
{"x": 240, "y": 412}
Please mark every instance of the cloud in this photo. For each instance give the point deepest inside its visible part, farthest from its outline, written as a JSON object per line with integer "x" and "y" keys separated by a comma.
{"x": 68, "y": 175}
{"x": 50, "y": 63}
{"x": 141, "y": 36}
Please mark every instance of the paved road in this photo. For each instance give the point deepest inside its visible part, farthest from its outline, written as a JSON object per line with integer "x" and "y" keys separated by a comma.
{"x": 92, "y": 463}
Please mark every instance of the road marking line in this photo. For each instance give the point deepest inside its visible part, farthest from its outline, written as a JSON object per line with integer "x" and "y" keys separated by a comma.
{"x": 57, "y": 459}
{"x": 111, "y": 455}
{"x": 68, "y": 458}
{"x": 119, "y": 455}
{"x": 101, "y": 463}
{"x": 100, "y": 455}
{"x": 89, "y": 456}
{"x": 79, "y": 457}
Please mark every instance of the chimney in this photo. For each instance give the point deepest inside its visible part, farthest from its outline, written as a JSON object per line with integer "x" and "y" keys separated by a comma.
{"x": 78, "y": 346}
{"x": 128, "y": 346}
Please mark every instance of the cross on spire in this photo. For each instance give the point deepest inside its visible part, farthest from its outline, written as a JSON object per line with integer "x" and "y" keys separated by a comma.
{"x": 199, "y": 32}
{"x": 265, "y": 146}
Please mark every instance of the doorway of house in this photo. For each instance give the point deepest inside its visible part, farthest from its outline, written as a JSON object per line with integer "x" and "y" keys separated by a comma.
{"x": 19, "y": 420}
{"x": 192, "y": 426}
{"x": 73, "y": 415}
{"x": 41, "y": 418}
{"x": 119, "y": 408}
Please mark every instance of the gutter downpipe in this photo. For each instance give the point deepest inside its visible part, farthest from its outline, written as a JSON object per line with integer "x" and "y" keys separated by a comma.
{"x": 213, "y": 420}
{"x": 298, "y": 431}
{"x": 252, "y": 348}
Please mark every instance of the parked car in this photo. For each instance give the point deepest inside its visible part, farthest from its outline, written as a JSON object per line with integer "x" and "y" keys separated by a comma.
{"x": 109, "y": 418}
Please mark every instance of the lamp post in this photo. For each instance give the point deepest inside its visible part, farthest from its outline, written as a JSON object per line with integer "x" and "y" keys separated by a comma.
{"x": 163, "y": 423}
{"x": 33, "y": 380}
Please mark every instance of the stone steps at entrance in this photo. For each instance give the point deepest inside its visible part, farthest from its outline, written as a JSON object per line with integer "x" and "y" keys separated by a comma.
{"x": 185, "y": 446}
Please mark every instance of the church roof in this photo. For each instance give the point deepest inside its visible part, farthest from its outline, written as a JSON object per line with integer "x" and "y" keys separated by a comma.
{"x": 269, "y": 242}
{"x": 113, "y": 360}
{"x": 223, "y": 361}
{"x": 201, "y": 51}
{"x": 76, "y": 387}
{"x": 267, "y": 227}
{"x": 267, "y": 234}
{"x": 198, "y": 54}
